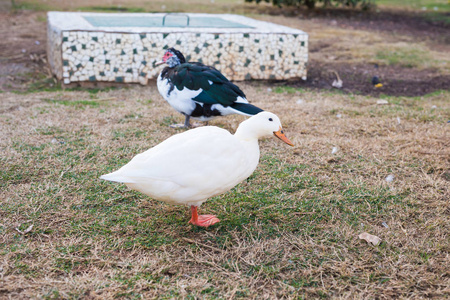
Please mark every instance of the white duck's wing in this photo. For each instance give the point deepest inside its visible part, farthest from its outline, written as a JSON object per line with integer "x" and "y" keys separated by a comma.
{"x": 193, "y": 165}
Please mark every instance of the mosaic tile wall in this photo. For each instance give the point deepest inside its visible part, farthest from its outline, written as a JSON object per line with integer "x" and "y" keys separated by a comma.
{"x": 129, "y": 57}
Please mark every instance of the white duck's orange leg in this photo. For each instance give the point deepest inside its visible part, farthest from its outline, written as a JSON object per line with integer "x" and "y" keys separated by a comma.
{"x": 202, "y": 220}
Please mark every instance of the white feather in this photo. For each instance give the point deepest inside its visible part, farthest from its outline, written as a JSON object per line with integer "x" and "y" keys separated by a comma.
{"x": 179, "y": 100}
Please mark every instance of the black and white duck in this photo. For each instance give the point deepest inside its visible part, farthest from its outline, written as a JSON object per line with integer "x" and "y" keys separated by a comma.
{"x": 198, "y": 91}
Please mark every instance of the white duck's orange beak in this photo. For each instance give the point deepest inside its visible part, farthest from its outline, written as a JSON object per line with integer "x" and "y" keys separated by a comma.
{"x": 280, "y": 134}
{"x": 159, "y": 63}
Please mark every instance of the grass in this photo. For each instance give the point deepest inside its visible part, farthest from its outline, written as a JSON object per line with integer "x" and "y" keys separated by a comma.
{"x": 203, "y": 6}
{"x": 358, "y": 46}
{"x": 118, "y": 8}
{"x": 286, "y": 89}
{"x": 289, "y": 231}
{"x": 438, "y": 17}
{"x": 34, "y": 6}
{"x": 409, "y": 58}
{"x": 441, "y": 5}
{"x": 431, "y": 10}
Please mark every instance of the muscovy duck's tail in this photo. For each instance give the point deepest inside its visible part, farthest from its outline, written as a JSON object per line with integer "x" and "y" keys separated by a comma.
{"x": 246, "y": 109}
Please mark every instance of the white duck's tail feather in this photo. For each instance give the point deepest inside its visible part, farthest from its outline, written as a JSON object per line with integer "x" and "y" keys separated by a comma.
{"x": 117, "y": 178}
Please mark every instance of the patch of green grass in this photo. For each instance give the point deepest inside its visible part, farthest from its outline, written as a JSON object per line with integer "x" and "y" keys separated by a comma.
{"x": 50, "y": 130}
{"x": 42, "y": 83}
{"x": 52, "y": 294}
{"x": 404, "y": 57}
{"x": 286, "y": 89}
{"x": 441, "y": 17}
{"x": 41, "y": 18}
{"x": 129, "y": 133}
{"x": 128, "y": 295}
{"x": 147, "y": 101}
{"x": 334, "y": 92}
{"x": 32, "y": 5}
{"x": 94, "y": 91}
{"x": 67, "y": 265}
{"x": 167, "y": 121}
{"x": 130, "y": 118}
{"x": 38, "y": 82}
{"x": 419, "y": 108}
{"x": 414, "y": 101}
{"x": 118, "y": 8}
{"x": 75, "y": 103}
{"x": 420, "y": 5}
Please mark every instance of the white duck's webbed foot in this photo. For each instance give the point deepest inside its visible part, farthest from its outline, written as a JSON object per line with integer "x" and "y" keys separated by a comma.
{"x": 202, "y": 220}
{"x": 205, "y": 220}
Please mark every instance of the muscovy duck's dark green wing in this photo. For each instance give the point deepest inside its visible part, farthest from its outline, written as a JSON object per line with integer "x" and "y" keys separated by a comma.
{"x": 216, "y": 87}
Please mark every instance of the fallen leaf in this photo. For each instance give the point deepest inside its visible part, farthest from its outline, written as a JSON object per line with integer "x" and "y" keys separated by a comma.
{"x": 370, "y": 238}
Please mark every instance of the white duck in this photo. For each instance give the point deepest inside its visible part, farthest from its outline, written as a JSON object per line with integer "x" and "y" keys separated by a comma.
{"x": 190, "y": 167}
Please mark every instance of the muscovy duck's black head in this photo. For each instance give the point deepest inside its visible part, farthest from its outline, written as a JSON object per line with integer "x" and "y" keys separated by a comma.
{"x": 173, "y": 57}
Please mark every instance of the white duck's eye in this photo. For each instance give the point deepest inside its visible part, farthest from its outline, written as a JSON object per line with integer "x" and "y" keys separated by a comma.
{"x": 270, "y": 119}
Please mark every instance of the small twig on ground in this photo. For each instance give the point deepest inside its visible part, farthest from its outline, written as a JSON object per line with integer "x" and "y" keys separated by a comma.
{"x": 431, "y": 153}
{"x": 302, "y": 213}
{"x": 11, "y": 57}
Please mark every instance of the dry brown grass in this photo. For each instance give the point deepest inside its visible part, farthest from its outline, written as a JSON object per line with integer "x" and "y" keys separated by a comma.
{"x": 97, "y": 240}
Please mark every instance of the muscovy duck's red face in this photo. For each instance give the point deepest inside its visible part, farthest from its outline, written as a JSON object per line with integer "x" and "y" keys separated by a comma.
{"x": 172, "y": 58}
{"x": 167, "y": 55}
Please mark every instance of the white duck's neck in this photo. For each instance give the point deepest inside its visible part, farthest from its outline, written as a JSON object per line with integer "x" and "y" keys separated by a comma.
{"x": 250, "y": 142}
{"x": 245, "y": 136}
{"x": 245, "y": 133}
{"x": 249, "y": 131}
{"x": 251, "y": 148}
{"x": 249, "y": 138}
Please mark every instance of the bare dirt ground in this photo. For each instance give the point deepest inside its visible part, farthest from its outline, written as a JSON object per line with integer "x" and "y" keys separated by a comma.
{"x": 22, "y": 49}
